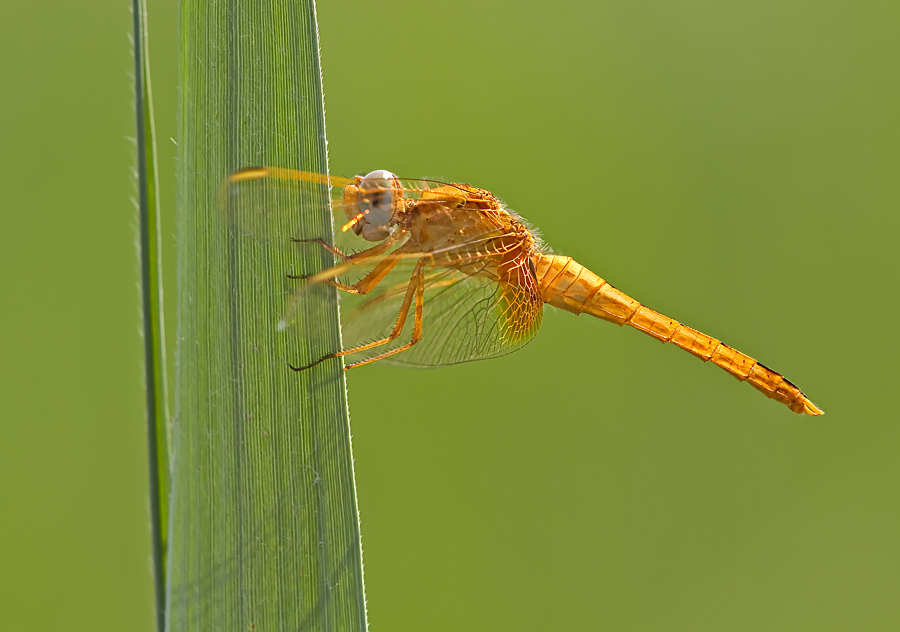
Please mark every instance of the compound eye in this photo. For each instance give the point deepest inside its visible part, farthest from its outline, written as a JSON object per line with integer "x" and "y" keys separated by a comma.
{"x": 379, "y": 196}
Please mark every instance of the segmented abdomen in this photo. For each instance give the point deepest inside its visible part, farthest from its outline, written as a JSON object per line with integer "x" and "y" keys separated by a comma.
{"x": 568, "y": 285}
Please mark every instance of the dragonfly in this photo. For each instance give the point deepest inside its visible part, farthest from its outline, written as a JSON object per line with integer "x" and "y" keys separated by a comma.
{"x": 453, "y": 275}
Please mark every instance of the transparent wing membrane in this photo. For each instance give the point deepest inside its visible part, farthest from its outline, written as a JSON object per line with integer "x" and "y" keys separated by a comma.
{"x": 264, "y": 204}
{"x": 465, "y": 317}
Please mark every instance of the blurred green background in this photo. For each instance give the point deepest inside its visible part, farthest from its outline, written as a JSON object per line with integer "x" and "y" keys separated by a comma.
{"x": 733, "y": 165}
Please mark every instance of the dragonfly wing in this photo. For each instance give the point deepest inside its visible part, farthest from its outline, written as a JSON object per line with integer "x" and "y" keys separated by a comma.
{"x": 265, "y": 205}
{"x": 465, "y": 316}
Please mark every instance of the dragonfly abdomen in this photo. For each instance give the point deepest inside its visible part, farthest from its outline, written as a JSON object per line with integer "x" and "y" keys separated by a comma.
{"x": 566, "y": 284}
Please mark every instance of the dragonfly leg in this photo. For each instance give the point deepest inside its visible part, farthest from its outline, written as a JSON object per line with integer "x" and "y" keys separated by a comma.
{"x": 357, "y": 257}
{"x": 368, "y": 282}
{"x": 325, "y": 245}
{"x": 360, "y": 257}
{"x": 417, "y": 325}
{"x": 364, "y": 285}
{"x": 416, "y": 288}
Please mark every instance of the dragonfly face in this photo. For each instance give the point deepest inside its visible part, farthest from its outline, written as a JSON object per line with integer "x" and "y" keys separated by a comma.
{"x": 379, "y": 196}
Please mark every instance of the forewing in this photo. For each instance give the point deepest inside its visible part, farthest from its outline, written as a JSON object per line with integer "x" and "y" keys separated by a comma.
{"x": 264, "y": 204}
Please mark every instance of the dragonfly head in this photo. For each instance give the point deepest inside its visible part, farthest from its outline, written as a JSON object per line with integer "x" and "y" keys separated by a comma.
{"x": 380, "y": 196}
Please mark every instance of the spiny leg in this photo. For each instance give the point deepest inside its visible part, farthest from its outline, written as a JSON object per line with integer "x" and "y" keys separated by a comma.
{"x": 356, "y": 257}
{"x": 368, "y": 283}
{"x": 365, "y": 284}
{"x": 417, "y": 325}
{"x": 325, "y": 245}
{"x": 417, "y": 285}
{"x": 349, "y": 260}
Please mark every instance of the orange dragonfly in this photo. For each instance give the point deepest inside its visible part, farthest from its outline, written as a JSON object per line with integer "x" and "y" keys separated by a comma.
{"x": 473, "y": 273}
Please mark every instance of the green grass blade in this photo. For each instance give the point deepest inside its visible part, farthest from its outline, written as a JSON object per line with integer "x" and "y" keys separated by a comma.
{"x": 152, "y": 307}
{"x": 264, "y": 523}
